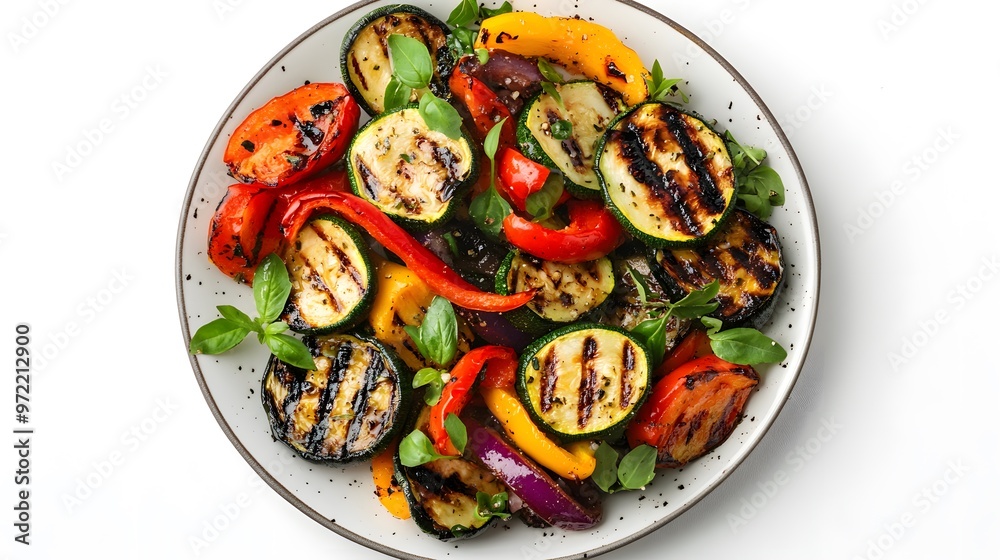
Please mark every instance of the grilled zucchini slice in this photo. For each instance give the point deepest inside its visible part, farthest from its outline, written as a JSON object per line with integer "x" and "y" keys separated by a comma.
{"x": 745, "y": 257}
{"x": 589, "y": 108}
{"x": 442, "y": 493}
{"x": 364, "y": 55}
{"x": 412, "y": 173}
{"x": 666, "y": 175}
{"x": 332, "y": 278}
{"x": 565, "y": 291}
{"x": 349, "y": 408}
{"x": 584, "y": 381}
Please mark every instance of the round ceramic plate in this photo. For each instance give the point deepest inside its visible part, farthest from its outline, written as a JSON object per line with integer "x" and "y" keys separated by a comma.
{"x": 341, "y": 498}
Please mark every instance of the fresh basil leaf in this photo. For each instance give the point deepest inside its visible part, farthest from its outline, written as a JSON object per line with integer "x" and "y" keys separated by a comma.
{"x": 746, "y": 346}
{"x": 411, "y": 61}
{"x": 277, "y": 327}
{"x": 452, "y": 243}
{"x": 697, "y": 303}
{"x": 440, "y": 116}
{"x": 465, "y": 13}
{"x": 488, "y": 211}
{"x": 653, "y": 334}
{"x": 637, "y": 468}
{"x": 456, "y": 431}
{"x": 492, "y": 140}
{"x": 218, "y": 336}
{"x": 562, "y": 129}
{"x": 439, "y": 331}
{"x": 431, "y": 378}
{"x": 460, "y": 41}
{"x": 270, "y": 288}
{"x": 541, "y": 202}
{"x": 416, "y": 449}
{"x": 290, "y": 350}
{"x": 397, "y": 94}
{"x": 487, "y": 13}
{"x": 416, "y": 336}
{"x": 488, "y": 507}
{"x": 712, "y": 325}
{"x": 656, "y": 72}
{"x": 771, "y": 185}
{"x": 641, "y": 287}
{"x": 549, "y": 72}
{"x": 483, "y": 56}
{"x": 606, "y": 471}
{"x": 238, "y": 317}
{"x": 550, "y": 89}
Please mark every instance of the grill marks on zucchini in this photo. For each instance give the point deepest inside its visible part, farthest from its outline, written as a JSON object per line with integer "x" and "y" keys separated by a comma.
{"x": 348, "y": 408}
{"x": 566, "y": 291}
{"x": 745, "y": 257}
{"x": 589, "y": 108}
{"x": 442, "y": 493}
{"x": 583, "y": 381}
{"x": 331, "y": 275}
{"x": 667, "y": 176}
{"x": 409, "y": 171}
{"x": 365, "y": 60}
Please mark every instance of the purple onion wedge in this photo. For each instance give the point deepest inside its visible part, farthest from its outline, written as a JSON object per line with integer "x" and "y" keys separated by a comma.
{"x": 539, "y": 491}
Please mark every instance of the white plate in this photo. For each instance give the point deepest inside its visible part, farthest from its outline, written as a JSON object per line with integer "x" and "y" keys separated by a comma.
{"x": 342, "y": 498}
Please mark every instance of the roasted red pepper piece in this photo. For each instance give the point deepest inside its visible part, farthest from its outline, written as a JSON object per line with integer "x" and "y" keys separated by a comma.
{"x": 457, "y": 391}
{"x": 519, "y": 176}
{"x": 484, "y": 107}
{"x": 592, "y": 233}
{"x": 246, "y": 225}
{"x": 442, "y": 280}
{"x": 695, "y": 344}
{"x": 692, "y": 410}
{"x": 294, "y": 136}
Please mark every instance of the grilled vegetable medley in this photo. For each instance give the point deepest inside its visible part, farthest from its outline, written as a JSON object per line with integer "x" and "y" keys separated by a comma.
{"x": 530, "y": 264}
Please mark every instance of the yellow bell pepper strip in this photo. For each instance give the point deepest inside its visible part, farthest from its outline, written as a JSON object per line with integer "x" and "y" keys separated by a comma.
{"x": 581, "y": 46}
{"x": 390, "y": 494}
{"x": 402, "y": 299}
{"x": 576, "y": 462}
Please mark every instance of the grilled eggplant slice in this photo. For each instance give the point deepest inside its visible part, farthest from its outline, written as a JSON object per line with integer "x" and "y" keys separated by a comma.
{"x": 589, "y": 108}
{"x": 442, "y": 493}
{"x": 666, "y": 175}
{"x": 412, "y": 173}
{"x": 332, "y": 278}
{"x": 584, "y": 381}
{"x": 349, "y": 408}
{"x": 745, "y": 257}
{"x": 364, "y": 55}
{"x": 565, "y": 291}
{"x": 624, "y": 307}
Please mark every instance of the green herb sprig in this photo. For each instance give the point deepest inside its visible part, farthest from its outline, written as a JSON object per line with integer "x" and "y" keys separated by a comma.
{"x": 635, "y": 470}
{"x": 660, "y": 88}
{"x": 739, "y": 345}
{"x": 488, "y": 209}
{"x": 271, "y": 288}
{"x": 413, "y": 70}
{"x": 758, "y": 187}
{"x": 437, "y": 340}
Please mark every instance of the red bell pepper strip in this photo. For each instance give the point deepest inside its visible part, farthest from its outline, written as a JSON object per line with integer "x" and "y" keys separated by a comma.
{"x": 592, "y": 233}
{"x": 442, "y": 280}
{"x": 456, "y": 392}
{"x": 519, "y": 176}
{"x": 484, "y": 106}
{"x": 695, "y": 344}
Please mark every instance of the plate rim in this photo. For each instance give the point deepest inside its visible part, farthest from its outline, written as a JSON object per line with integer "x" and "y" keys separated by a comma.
{"x": 299, "y": 504}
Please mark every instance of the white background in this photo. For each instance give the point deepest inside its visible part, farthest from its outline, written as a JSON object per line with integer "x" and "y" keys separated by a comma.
{"x": 885, "y": 450}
